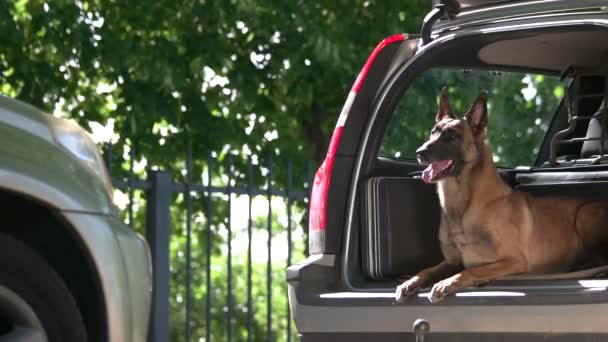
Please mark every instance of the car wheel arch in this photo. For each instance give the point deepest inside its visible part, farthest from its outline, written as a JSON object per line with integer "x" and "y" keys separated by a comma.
{"x": 61, "y": 246}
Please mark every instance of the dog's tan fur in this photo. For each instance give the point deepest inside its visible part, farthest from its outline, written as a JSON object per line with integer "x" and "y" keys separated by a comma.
{"x": 489, "y": 230}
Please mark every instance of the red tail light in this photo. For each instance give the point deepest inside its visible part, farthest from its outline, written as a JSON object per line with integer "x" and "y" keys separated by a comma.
{"x": 320, "y": 186}
{"x": 318, "y": 196}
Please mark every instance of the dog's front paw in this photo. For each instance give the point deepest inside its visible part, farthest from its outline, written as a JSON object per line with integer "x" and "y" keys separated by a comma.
{"x": 407, "y": 288}
{"x": 445, "y": 287}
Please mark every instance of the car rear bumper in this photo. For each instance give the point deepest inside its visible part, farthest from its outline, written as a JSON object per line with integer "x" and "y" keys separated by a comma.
{"x": 123, "y": 264}
{"x": 323, "y": 309}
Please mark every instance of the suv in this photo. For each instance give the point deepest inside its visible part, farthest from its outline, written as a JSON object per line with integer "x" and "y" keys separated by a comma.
{"x": 373, "y": 221}
{"x": 70, "y": 269}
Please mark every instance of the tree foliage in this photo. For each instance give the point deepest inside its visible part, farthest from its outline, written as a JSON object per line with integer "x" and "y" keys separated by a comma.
{"x": 256, "y": 76}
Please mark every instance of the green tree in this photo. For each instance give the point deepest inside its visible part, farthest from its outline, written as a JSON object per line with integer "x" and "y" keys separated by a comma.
{"x": 256, "y": 76}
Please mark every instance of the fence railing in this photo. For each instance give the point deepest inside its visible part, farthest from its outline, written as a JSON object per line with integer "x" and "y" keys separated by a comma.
{"x": 188, "y": 223}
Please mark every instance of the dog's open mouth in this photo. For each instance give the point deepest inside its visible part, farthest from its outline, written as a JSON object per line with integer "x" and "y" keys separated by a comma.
{"x": 436, "y": 170}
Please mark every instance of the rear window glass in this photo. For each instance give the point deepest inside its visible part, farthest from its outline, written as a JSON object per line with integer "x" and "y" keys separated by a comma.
{"x": 520, "y": 109}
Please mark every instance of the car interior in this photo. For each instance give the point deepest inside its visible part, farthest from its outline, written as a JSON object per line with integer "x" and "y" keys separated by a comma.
{"x": 399, "y": 220}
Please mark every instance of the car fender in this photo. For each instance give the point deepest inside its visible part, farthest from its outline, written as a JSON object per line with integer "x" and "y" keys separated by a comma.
{"x": 33, "y": 164}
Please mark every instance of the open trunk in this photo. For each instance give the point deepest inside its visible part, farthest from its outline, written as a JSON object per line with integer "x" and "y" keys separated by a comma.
{"x": 402, "y": 220}
{"x": 400, "y": 214}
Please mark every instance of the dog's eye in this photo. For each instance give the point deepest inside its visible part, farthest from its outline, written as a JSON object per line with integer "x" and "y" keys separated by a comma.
{"x": 449, "y": 134}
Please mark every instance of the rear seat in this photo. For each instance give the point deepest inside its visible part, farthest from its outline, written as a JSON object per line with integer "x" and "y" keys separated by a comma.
{"x": 590, "y": 150}
{"x": 573, "y": 173}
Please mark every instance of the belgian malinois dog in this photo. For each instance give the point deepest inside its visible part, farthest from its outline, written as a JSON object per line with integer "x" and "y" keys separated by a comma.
{"x": 489, "y": 230}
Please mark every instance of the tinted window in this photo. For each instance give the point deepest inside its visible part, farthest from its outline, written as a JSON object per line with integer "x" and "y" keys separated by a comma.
{"x": 520, "y": 109}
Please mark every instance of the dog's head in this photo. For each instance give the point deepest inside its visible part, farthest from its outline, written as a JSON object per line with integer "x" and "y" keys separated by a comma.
{"x": 454, "y": 144}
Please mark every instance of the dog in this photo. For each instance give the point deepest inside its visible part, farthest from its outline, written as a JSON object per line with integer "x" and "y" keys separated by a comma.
{"x": 488, "y": 229}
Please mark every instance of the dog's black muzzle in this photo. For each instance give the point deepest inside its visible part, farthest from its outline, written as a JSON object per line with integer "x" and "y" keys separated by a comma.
{"x": 423, "y": 154}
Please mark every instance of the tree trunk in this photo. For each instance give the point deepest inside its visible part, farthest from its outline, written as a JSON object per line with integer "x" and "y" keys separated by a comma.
{"x": 313, "y": 131}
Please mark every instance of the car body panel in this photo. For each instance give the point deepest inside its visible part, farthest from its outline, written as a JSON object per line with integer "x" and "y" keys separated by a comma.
{"x": 32, "y": 163}
{"x": 124, "y": 269}
{"x": 351, "y": 123}
{"x": 314, "y": 309}
{"x": 535, "y": 319}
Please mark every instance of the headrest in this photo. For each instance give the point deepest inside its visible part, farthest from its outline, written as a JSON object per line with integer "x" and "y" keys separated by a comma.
{"x": 592, "y": 148}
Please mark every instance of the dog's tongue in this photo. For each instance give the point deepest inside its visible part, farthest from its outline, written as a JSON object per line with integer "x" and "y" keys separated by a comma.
{"x": 434, "y": 169}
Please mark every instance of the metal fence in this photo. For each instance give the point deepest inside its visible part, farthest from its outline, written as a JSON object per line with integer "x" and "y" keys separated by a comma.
{"x": 209, "y": 194}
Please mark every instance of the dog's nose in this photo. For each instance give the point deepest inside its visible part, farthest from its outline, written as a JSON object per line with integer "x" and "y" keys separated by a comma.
{"x": 422, "y": 153}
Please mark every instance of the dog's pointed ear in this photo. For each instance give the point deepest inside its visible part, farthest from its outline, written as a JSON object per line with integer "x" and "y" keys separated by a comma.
{"x": 444, "y": 106}
{"x": 477, "y": 115}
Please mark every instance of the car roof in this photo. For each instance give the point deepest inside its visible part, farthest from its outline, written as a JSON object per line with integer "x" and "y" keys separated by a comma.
{"x": 473, "y": 3}
{"x": 468, "y": 5}
{"x": 478, "y": 12}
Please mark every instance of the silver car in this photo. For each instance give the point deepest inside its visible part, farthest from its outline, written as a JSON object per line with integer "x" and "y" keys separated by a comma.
{"x": 70, "y": 269}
